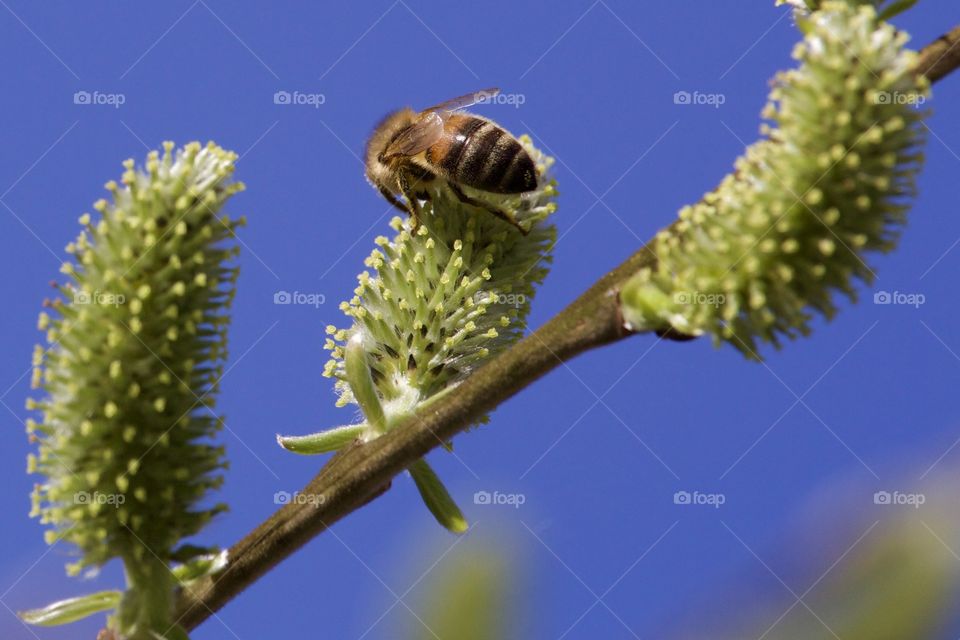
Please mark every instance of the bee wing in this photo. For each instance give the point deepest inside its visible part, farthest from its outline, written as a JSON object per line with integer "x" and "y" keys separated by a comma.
{"x": 464, "y": 101}
{"x": 427, "y": 130}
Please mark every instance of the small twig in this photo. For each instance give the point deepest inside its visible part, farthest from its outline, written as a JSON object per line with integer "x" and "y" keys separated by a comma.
{"x": 360, "y": 473}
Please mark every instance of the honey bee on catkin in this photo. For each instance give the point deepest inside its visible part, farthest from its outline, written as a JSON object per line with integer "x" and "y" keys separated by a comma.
{"x": 409, "y": 152}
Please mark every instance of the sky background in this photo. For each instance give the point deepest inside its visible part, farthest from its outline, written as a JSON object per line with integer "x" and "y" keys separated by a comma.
{"x": 597, "y": 448}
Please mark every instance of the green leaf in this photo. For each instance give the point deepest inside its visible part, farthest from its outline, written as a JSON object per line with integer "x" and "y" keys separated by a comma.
{"x": 436, "y": 497}
{"x": 361, "y": 382}
{"x": 187, "y": 553}
{"x": 896, "y": 8}
{"x": 174, "y": 633}
{"x": 200, "y": 567}
{"x": 324, "y": 441}
{"x": 72, "y": 609}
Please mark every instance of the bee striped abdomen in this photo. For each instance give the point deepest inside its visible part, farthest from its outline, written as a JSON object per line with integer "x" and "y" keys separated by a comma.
{"x": 484, "y": 156}
{"x": 448, "y": 152}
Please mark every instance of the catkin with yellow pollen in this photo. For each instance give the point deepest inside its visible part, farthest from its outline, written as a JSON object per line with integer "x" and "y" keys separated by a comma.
{"x": 792, "y": 225}
{"x": 437, "y": 303}
{"x": 136, "y": 346}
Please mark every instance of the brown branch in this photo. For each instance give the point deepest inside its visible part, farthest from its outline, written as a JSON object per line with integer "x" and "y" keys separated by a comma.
{"x": 360, "y": 473}
{"x": 941, "y": 56}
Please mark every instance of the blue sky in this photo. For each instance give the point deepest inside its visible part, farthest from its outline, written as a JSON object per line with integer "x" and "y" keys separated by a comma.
{"x": 599, "y": 447}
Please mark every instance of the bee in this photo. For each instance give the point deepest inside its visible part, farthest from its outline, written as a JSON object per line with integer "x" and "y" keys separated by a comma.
{"x": 409, "y": 152}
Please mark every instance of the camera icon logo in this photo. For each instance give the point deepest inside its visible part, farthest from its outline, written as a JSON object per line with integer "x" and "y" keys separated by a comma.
{"x": 884, "y": 98}
{"x": 82, "y": 297}
{"x": 681, "y": 297}
{"x": 681, "y": 97}
{"x": 281, "y": 497}
{"x": 282, "y": 297}
{"x": 482, "y": 497}
{"x": 81, "y": 97}
{"x": 81, "y": 497}
{"x": 882, "y": 497}
{"x": 281, "y": 97}
{"x": 882, "y": 297}
{"x": 681, "y": 497}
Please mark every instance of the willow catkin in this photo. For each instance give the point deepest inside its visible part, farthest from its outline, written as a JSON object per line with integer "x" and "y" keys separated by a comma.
{"x": 135, "y": 350}
{"x": 791, "y": 226}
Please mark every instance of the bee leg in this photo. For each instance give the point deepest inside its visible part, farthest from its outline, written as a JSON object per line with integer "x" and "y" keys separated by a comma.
{"x": 392, "y": 199}
{"x": 413, "y": 205}
{"x": 473, "y": 202}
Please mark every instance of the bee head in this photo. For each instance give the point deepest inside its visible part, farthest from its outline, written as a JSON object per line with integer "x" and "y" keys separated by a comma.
{"x": 382, "y": 173}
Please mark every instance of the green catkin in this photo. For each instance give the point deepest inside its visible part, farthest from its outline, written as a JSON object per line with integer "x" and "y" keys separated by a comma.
{"x": 829, "y": 182}
{"x": 135, "y": 351}
{"x": 437, "y": 302}
{"x": 445, "y": 298}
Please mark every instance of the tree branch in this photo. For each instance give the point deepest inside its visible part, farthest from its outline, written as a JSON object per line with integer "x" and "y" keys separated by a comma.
{"x": 941, "y": 56}
{"x": 360, "y": 473}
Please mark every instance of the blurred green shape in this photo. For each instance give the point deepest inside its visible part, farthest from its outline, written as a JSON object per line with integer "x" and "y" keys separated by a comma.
{"x": 897, "y": 584}
{"x": 468, "y": 598}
